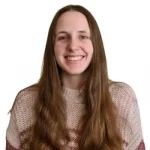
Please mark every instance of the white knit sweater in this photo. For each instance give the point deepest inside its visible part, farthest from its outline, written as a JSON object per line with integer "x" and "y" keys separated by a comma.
{"x": 122, "y": 95}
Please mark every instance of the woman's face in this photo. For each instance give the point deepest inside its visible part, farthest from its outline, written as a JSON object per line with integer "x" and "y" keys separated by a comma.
{"x": 73, "y": 46}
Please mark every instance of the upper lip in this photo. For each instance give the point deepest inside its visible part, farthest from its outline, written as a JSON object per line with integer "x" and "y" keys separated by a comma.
{"x": 73, "y": 55}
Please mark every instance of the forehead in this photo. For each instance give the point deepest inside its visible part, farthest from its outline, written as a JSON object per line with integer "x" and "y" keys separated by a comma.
{"x": 72, "y": 21}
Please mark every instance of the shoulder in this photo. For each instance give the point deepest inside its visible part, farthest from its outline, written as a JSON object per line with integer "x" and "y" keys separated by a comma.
{"x": 122, "y": 90}
{"x": 25, "y": 98}
{"x": 22, "y": 112}
{"x": 121, "y": 87}
{"x": 124, "y": 97}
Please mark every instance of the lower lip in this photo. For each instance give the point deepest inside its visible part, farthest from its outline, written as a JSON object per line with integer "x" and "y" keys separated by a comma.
{"x": 74, "y": 61}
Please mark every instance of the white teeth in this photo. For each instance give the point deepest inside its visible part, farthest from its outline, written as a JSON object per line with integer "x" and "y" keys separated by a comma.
{"x": 74, "y": 58}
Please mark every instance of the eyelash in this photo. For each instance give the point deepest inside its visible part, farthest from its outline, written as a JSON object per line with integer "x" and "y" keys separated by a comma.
{"x": 67, "y": 37}
{"x": 84, "y": 37}
{"x": 62, "y": 37}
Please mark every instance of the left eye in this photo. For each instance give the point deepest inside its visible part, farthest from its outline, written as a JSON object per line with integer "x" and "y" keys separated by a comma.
{"x": 83, "y": 37}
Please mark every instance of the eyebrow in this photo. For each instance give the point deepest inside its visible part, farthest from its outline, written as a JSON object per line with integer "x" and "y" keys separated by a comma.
{"x": 65, "y": 32}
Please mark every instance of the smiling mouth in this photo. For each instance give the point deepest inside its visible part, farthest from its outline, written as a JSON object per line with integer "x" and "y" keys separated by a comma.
{"x": 74, "y": 58}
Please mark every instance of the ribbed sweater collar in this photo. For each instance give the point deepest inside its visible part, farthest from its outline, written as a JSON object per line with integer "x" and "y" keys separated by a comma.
{"x": 73, "y": 96}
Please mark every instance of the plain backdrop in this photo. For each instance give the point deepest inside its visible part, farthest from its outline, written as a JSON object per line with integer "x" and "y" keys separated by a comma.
{"x": 125, "y": 29}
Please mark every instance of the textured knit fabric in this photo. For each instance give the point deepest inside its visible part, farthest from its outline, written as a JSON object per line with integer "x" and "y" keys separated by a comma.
{"x": 122, "y": 95}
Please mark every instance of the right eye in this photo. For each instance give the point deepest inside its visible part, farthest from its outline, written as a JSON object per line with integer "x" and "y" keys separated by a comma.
{"x": 62, "y": 38}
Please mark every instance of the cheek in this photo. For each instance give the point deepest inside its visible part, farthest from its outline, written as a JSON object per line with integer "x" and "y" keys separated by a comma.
{"x": 89, "y": 48}
{"x": 59, "y": 49}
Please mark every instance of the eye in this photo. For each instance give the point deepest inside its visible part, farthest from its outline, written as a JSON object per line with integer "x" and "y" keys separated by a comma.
{"x": 83, "y": 37}
{"x": 62, "y": 38}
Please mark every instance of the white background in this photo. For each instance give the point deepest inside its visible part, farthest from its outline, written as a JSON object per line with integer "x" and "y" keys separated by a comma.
{"x": 125, "y": 30}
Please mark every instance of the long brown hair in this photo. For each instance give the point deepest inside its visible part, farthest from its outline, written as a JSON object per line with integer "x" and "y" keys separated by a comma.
{"x": 100, "y": 130}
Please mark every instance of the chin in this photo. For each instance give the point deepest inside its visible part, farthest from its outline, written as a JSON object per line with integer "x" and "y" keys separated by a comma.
{"x": 74, "y": 73}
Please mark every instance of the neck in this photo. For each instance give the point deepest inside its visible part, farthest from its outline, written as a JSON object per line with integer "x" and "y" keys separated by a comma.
{"x": 73, "y": 81}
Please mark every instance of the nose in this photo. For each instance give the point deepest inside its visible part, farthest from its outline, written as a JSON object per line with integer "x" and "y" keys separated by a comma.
{"x": 73, "y": 44}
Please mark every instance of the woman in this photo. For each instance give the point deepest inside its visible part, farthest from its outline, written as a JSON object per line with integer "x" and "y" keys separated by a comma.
{"x": 74, "y": 105}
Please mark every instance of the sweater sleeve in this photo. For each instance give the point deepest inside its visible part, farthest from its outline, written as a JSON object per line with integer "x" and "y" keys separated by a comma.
{"x": 12, "y": 132}
{"x": 10, "y": 147}
{"x": 136, "y": 141}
